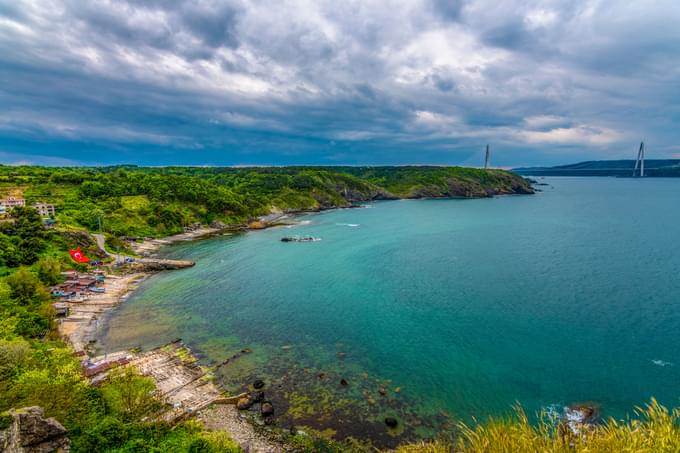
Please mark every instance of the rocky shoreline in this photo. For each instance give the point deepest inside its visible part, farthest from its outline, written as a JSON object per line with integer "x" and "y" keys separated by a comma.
{"x": 184, "y": 385}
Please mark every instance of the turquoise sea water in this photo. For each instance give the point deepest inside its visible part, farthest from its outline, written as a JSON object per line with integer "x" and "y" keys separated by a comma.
{"x": 465, "y": 306}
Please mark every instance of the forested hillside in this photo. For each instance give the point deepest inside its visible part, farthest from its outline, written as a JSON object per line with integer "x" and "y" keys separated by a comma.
{"x": 38, "y": 369}
{"x": 664, "y": 168}
{"x": 137, "y": 201}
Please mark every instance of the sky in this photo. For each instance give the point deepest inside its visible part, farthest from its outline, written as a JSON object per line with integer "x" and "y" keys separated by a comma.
{"x": 330, "y": 82}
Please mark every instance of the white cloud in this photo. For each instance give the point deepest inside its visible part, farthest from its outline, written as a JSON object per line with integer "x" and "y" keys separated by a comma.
{"x": 579, "y": 135}
{"x": 539, "y": 121}
{"x": 540, "y": 18}
{"x": 397, "y": 71}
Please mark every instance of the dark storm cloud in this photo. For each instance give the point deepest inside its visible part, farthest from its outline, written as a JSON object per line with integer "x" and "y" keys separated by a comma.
{"x": 250, "y": 81}
{"x": 448, "y": 9}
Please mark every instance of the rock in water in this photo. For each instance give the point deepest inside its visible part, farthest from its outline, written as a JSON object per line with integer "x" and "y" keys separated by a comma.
{"x": 258, "y": 384}
{"x": 267, "y": 409}
{"x": 31, "y": 432}
{"x": 344, "y": 382}
{"x": 258, "y": 397}
{"x": 391, "y": 422}
{"x": 244, "y": 403}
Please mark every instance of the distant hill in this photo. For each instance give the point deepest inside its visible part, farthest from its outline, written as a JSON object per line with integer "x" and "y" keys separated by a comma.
{"x": 624, "y": 168}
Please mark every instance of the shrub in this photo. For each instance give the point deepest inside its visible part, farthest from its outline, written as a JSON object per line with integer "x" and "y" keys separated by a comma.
{"x": 26, "y": 288}
{"x": 49, "y": 269}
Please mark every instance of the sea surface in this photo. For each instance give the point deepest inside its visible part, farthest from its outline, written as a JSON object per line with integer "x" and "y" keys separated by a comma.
{"x": 436, "y": 311}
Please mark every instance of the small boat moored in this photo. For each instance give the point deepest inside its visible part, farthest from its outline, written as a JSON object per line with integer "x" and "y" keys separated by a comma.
{"x": 300, "y": 239}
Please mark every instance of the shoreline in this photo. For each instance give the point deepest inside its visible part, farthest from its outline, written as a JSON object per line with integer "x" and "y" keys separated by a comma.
{"x": 80, "y": 327}
{"x": 83, "y": 330}
{"x": 152, "y": 245}
{"x": 188, "y": 389}
{"x": 180, "y": 381}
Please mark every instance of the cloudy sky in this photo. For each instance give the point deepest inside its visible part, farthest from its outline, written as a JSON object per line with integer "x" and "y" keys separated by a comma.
{"x": 238, "y": 82}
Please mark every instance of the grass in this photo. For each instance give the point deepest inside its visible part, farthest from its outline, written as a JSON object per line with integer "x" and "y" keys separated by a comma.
{"x": 135, "y": 202}
{"x": 655, "y": 429}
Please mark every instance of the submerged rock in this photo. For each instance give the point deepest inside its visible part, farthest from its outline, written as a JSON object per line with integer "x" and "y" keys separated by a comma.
{"x": 344, "y": 382}
{"x": 267, "y": 409}
{"x": 580, "y": 416}
{"x": 391, "y": 422}
{"x": 576, "y": 419}
{"x": 244, "y": 403}
{"x": 258, "y": 384}
{"x": 258, "y": 397}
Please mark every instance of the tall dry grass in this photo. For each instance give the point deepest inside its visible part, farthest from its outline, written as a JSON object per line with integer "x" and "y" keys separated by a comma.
{"x": 654, "y": 429}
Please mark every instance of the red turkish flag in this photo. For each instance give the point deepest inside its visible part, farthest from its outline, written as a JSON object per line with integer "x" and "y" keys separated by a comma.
{"x": 78, "y": 256}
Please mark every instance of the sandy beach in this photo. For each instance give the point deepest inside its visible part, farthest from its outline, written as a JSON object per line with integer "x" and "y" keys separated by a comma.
{"x": 180, "y": 382}
{"x": 80, "y": 326}
{"x": 150, "y": 246}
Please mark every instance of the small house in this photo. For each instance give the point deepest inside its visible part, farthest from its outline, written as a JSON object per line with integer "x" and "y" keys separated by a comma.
{"x": 12, "y": 202}
{"x": 45, "y": 209}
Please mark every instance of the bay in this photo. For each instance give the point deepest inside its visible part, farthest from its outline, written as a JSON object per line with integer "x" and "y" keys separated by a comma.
{"x": 453, "y": 308}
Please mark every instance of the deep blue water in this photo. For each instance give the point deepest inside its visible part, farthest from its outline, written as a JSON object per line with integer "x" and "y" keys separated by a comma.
{"x": 469, "y": 306}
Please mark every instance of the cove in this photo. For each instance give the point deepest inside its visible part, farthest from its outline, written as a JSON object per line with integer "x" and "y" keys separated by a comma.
{"x": 435, "y": 311}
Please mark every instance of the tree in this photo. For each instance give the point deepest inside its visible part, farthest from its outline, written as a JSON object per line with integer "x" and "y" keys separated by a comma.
{"x": 25, "y": 288}
{"x": 27, "y": 223}
{"x": 49, "y": 269}
{"x": 23, "y": 238}
{"x": 130, "y": 395}
{"x": 9, "y": 254}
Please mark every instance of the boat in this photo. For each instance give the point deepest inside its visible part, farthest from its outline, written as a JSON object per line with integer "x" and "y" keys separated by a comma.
{"x": 300, "y": 239}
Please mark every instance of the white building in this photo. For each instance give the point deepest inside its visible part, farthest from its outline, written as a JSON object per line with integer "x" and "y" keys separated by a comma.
{"x": 44, "y": 209}
{"x": 12, "y": 202}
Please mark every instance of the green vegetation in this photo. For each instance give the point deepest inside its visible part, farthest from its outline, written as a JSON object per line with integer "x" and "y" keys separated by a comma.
{"x": 133, "y": 201}
{"x": 45, "y": 373}
{"x": 118, "y": 416}
{"x": 38, "y": 369}
{"x": 656, "y": 430}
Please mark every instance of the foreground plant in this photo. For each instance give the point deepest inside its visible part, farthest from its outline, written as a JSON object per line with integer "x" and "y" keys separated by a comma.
{"x": 654, "y": 430}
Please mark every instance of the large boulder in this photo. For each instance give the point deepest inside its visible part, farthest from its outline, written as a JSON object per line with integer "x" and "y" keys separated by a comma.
{"x": 245, "y": 402}
{"x": 31, "y": 432}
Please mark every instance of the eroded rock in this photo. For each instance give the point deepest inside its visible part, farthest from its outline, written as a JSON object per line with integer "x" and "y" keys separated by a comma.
{"x": 31, "y": 432}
